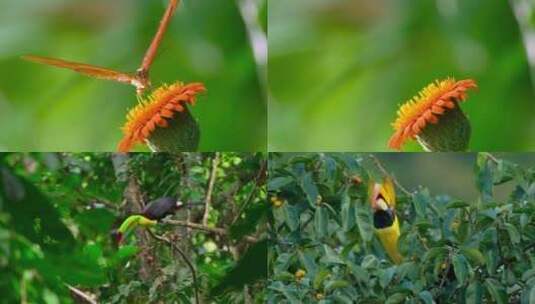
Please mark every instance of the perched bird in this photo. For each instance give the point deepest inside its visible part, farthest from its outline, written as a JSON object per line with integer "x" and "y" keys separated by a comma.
{"x": 151, "y": 214}
{"x": 162, "y": 207}
{"x": 383, "y": 202}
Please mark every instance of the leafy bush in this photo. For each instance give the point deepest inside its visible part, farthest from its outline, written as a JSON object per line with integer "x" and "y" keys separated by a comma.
{"x": 455, "y": 251}
{"x": 57, "y": 212}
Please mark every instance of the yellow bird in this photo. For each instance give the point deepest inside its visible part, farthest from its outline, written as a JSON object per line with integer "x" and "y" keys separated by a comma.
{"x": 383, "y": 202}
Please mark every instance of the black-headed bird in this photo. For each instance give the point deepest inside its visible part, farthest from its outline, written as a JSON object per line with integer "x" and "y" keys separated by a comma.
{"x": 383, "y": 202}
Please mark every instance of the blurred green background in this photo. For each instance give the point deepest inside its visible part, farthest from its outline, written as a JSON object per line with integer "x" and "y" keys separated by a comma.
{"x": 48, "y": 109}
{"x": 338, "y": 69}
{"x": 446, "y": 173}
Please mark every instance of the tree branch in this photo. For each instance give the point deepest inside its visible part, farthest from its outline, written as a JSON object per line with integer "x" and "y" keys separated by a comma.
{"x": 184, "y": 257}
{"x": 211, "y": 182}
{"x": 215, "y": 230}
{"x": 380, "y": 166}
{"x": 80, "y": 296}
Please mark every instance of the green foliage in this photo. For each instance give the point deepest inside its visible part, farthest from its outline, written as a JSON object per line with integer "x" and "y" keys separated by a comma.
{"x": 57, "y": 212}
{"x": 479, "y": 251}
{"x": 248, "y": 270}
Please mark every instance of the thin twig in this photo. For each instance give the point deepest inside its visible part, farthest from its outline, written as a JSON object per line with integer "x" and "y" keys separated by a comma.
{"x": 211, "y": 182}
{"x": 218, "y": 231}
{"x": 491, "y": 157}
{"x": 80, "y": 295}
{"x": 443, "y": 279}
{"x": 385, "y": 172}
{"x": 184, "y": 257}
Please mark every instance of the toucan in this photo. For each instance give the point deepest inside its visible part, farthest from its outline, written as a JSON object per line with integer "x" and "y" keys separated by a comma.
{"x": 383, "y": 203}
{"x": 153, "y": 212}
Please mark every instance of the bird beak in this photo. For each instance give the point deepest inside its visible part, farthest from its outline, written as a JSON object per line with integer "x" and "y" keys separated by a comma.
{"x": 374, "y": 194}
{"x": 377, "y": 200}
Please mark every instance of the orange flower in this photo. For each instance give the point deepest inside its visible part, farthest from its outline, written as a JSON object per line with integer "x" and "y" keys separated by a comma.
{"x": 432, "y": 102}
{"x": 162, "y": 104}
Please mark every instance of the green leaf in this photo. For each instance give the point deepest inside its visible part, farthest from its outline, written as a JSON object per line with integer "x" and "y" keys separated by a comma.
{"x": 284, "y": 276}
{"x": 77, "y": 268}
{"x": 434, "y": 252}
{"x": 95, "y": 221}
{"x": 514, "y": 235}
{"x": 364, "y": 223}
{"x": 385, "y": 276}
{"x": 336, "y": 284}
{"x": 252, "y": 217}
{"x": 528, "y": 274}
{"x": 463, "y": 231}
{"x": 348, "y": 213}
{"x": 359, "y": 272}
{"x": 532, "y": 295}
{"x": 291, "y": 216}
{"x": 288, "y": 291}
{"x": 321, "y": 222}
{"x": 123, "y": 253}
{"x": 33, "y": 215}
{"x": 524, "y": 218}
{"x": 396, "y": 298}
{"x": 484, "y": 179}
{"x": 474, "y": 293}
{"x": 474, "y": 255}
{"x": 310, "y": 189}
{"x": 319, "y": 278}
{"x": 306, "y": 258}
{"x": 369, "y": 261}
{"x": 421, "y": 199}
{"x": 276, "y": 183}
{"x": 93, "y": 253}
{"x": 251, "y": 268}
{"x": 350, "y": 161}
{"x": 331, "y": 256}
{"x": 491, "y": 256}
{"x": 426, "y": 297}
{"x": 496, "y": 290}
{"x": 423, "y": 225}
{"x": 460, "y": 268}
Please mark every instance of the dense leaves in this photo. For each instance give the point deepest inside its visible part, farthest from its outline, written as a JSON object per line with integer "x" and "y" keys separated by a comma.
{"x": 57, "y": 212}
{"x": 480, "y": 251}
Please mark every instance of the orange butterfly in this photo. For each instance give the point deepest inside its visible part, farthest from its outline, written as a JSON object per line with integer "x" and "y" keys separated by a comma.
{"x": 140, "y": 79}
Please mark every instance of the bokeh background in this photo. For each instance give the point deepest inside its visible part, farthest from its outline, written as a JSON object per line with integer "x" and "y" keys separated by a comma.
{"x": 338, "y": 69}
{"x": 446, "y": 173}
{"x": 220, "y": 43}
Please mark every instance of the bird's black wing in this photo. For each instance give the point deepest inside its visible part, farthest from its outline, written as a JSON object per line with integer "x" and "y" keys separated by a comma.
{"x": 160, "y": 208}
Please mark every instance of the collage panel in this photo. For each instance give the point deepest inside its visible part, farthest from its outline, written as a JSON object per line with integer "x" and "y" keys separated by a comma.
{"x": 402, "y": 228}
{"x": 133, "y": 228}
{"x": 166, "y": 76}
{"x": 387, "y": 75}
{"x": 267, "y": 151}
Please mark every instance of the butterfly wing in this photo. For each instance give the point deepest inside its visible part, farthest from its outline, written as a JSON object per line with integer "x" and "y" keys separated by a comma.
{"x": 85, "y": 69}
